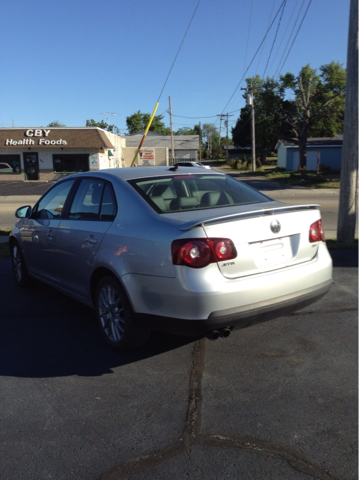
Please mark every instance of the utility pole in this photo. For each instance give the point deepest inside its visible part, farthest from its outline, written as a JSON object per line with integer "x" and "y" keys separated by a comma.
{"x": 349, "y": 171}
{"x": 226, "y": 123}
{"x": 250, "y": 101}
{"x": 200, "y": 142}
{"x": 220, "y": 126}
{"x": 172, "y": 140}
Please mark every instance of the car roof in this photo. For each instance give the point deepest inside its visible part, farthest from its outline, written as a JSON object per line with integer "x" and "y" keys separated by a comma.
{"x": 130, "y": 173}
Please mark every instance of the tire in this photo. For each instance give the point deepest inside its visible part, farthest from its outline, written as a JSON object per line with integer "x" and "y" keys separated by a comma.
{"x": 115, "y": 317}
{"x": 21, "y": 274}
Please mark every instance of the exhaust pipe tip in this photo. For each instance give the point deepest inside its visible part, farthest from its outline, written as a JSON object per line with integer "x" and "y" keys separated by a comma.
{"x": 213, "y": 335}
{"x": 225, "y": 332}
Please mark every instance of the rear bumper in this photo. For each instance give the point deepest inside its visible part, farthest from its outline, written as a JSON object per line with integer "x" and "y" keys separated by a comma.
{"x": 238, "y": 317}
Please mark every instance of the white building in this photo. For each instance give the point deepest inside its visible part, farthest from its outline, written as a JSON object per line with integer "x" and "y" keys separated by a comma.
{"x": 186, "y": 147}
{"x": 48, "y": 153}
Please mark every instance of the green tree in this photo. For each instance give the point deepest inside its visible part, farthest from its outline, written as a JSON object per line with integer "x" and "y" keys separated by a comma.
{"x": 210, "y": 137}
{"x": 188, "y": 131}
{"x": 318, "y": 105}
{"x": 241, "y": 132}
{"x": 268, "y": 104}
{"x": 56, "y": 123}
{"x": 137, "y": 122}
{"x": 102, "y": 124}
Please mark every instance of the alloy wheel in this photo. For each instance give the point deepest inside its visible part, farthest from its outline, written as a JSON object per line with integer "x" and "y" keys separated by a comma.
{"x": 111, "y": 313}
{"x": 17, "y": 263}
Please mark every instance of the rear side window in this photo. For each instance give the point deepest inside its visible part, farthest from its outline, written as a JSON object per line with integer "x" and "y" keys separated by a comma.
{"x": 195, "y": 192}
{"x": 94, "y": 200}
{"x": 108, "y": 205}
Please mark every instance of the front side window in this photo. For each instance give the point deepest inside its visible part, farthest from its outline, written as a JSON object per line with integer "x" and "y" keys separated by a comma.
{"x": 52, "y": 204}
{"x": 195, "y": 192}
{"x": 10, "y": 164}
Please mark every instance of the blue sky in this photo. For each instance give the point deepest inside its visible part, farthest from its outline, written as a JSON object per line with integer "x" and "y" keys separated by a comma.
{"x": 72, "y": 60}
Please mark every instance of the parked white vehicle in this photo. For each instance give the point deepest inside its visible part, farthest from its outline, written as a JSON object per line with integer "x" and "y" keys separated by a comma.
{"x": 5, "y": 168}
{"x": 191, "y": 164}
{"x": 184, "y": 250}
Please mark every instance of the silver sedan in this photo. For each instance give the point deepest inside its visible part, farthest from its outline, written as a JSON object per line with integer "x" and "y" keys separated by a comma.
{"x": 177, "y": 249}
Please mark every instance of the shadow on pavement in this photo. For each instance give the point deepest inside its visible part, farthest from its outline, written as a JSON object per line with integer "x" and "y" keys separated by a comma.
{"x": 344, "y": 258}
{"x": 44, "y": 333}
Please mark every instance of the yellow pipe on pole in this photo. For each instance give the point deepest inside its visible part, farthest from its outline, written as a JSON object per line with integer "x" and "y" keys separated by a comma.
{"x": 144, "y": 135}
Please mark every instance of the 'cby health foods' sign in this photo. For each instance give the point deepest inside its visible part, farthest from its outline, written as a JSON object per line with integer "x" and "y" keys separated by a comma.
{"x": 30, "y": 139}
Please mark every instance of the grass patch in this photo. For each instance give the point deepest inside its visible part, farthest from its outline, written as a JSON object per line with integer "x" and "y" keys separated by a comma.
{"x": 325, "y": 179}
{"x": 328, "y": 179}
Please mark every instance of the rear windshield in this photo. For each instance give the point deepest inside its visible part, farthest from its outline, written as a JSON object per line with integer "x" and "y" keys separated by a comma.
{"x": 195, "y": 192}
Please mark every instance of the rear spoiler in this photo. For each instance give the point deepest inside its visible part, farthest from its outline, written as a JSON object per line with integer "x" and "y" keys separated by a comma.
{"x": 245, "y": 215}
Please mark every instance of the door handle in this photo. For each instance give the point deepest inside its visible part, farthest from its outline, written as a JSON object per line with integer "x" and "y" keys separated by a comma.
{"x": 50, "y": 235}
{"x": 91, "y": 241}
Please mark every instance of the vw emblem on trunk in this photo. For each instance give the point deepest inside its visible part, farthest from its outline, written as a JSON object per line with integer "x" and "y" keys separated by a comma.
{"x": 275, "y": 226}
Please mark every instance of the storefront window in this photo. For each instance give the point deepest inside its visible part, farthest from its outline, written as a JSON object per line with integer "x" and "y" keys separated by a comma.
{"x": 10, "y": 164}
{"x": 70, "y": 163}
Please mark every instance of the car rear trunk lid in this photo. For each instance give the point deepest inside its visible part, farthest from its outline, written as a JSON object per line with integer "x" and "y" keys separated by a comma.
{"x": 265, "y": 240}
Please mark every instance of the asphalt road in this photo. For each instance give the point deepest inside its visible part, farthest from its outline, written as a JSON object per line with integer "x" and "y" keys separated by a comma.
{"x": 18, "y": 194}
{"x": 274, "y": 401}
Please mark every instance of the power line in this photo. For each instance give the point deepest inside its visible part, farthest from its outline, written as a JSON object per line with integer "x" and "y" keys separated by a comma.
{"x": 174, "y": 61}
{"x": 305, "y": 14}
{"x": 176, "y": 123}
{"x": 265, "y": 36}
{"x": 275, "y": 37}
{"x": 249, "y": 29}
{"x": 291, "y": 33}
{"x": 250, "y": 16}
{"x": 270, "y": 19}
{"x": 269, "y": 28}
{"x": 285, "y": 33}
{"x": 182, "y": 116}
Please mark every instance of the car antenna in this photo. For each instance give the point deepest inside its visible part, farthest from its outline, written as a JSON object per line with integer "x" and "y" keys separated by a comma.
{"x": 174, "y": 168}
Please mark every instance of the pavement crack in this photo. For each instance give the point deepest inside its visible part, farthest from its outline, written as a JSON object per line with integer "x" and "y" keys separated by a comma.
{"x": 192, "y": 436}
{"x": 195, "y": 396}
{"x": 192, "y": 427}
{"x": 294, "y": 458}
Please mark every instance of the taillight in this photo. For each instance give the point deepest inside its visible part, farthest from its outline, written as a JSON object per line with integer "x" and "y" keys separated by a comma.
{"x": 198, "y": 253}
{"x": 224, "y": 249}
{"x": 316, "y": 233}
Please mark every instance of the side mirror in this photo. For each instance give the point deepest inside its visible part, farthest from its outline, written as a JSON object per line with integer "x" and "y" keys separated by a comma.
{"x": 23, "y": 212}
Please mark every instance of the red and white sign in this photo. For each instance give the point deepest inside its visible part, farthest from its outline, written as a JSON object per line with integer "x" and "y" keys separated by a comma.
{"x": 146, "y": 156}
